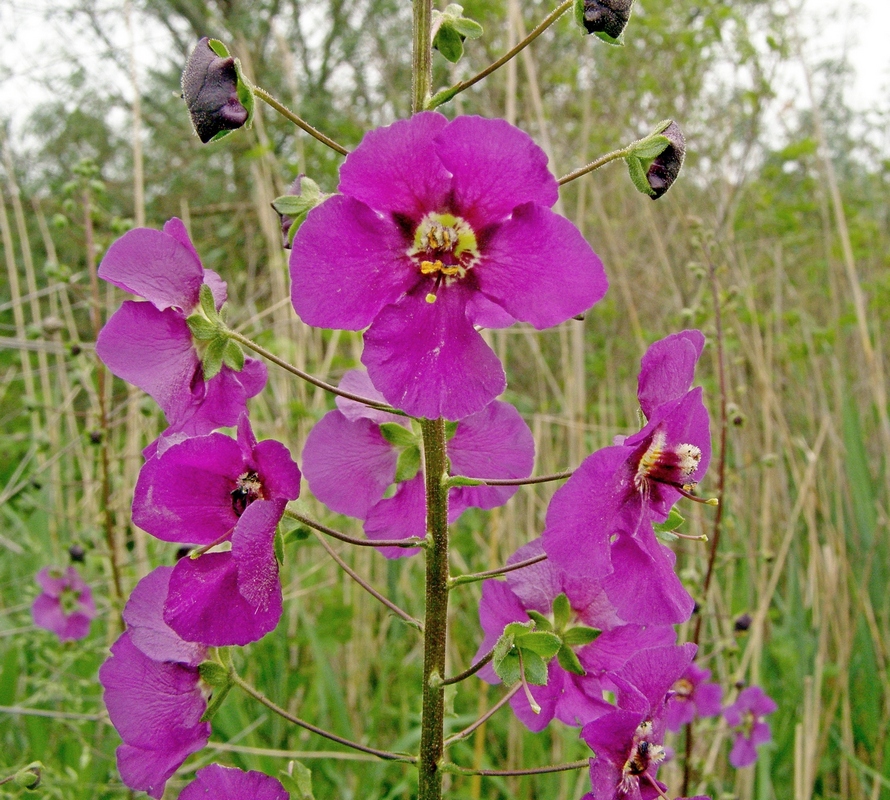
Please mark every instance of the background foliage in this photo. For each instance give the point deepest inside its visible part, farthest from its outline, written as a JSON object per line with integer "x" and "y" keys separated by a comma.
{"x": 786, "y": 207}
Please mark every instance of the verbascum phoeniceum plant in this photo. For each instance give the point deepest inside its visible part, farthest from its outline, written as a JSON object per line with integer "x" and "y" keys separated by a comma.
{"x": 440, "y": 228}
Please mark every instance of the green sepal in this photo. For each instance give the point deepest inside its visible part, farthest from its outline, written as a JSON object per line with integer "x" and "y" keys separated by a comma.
{"x": 207, "y": 302}
{"x": 507, "y": 668}
{"x": 535, "y": 668}
{"x": 202, "y": 328}
{"x": 602, "y": 35}
{"x": 505, "y": 659}
{"x": 297, "y": 781}
{"x": 233, "y": 356}
{"x": 638, "y": 175}
{"x": 448, "y": 42}
{"x": 562, "y": 611}
{"x": 578, "y": 14}
{"x": 463, "y": 480}
{"x": 450, "y": 430}
{"x": 28, "y": 777}
{"x": 651, "y": 147}
{"x": 408, "y": 464}
{"x": 568, "y": 660}
{"x": 214, "y": 674}
{"x": 243, "y": 88}
{"x": 675, "y": 520}
{"x": 542, "y": 643}
{"x": 580, "y": 635}
{"x": 542, "y": 623}
{"x": 299, "y": 534}
{"x": 216, "y": 702}
{"x": 398, "y": 435}
{"x": 212, "y": 361}
{"x": 278, "y": 545}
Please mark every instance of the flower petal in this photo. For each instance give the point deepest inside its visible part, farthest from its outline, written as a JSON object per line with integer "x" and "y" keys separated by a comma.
{"x": 668, "y": 369}
{"x": 228, "y": 783}
{"x": 399, "y": 517}
{"x": 278, "y": 472}
{"x": 496, "y": 167}
{"x": 254, "y": 553}
{"x": 539, "y": 267}
{"x": 347, "y": 262}
{"x": 397, "y": 168}
{"x": 429, "y": 361}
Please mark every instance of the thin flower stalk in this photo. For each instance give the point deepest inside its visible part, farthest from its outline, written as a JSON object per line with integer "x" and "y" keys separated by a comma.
{"x": 298, "y": 121}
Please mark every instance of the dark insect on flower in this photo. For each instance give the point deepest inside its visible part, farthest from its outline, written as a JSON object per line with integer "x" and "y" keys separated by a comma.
{"x": 210, "y": 90}
{"x": 606, "y": 16}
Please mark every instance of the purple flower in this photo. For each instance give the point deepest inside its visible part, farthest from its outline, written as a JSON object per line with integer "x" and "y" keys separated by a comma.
{"x": 65, "y": 606}
{"x": 441, "y": 226}
{"x": 746, "y": 715}
{"x": 570, "y": 697}
{"x": 153, "y": 692}
{"x": 628, "y": 742}
{"x": 227, "y": 783}
{"x": 207, "y": 490}
{"x": 355, "y": 453}
{"x": 600, "y": 522}
{"x": 150, "y": 344}
{"x": 693, "y": 696}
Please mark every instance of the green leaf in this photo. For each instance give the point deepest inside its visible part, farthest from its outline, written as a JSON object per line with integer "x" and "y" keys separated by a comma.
{"x": 408, "y": 464}
{"x": 638, "y": 175}
{"x": 535, "y": 668}
{"x": 568, "y": 660}
{"x": 233, "y": 356}
{"x": 675, "y": 520}
{"x": 651, "y": 147}
{"x": 580, "y": 635}
{"x": 542, "y": 643}
{"x": 562, "y": 611}
{"x": 541, "y": 621}
{"x": 449, "y": 43}
{"x": 297, "y": 781}
{"x": 398, "y": 435}
{"x": 202, "y": 328}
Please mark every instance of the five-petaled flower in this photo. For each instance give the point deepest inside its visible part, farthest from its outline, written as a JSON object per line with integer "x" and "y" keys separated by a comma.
{"x": 205, "y": 491}
{"x": 441, "y": 227}
{"x": 746, "y": 716}
{"x": 693, "y": 696}
{"x": 150, "y": 344}
{"x": 65, "y": 605}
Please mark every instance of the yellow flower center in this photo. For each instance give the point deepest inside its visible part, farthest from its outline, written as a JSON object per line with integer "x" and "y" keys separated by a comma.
{"x": 444, "y": 247}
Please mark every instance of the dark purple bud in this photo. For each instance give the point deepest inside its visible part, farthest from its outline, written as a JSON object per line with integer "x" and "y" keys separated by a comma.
{"x": 742, "y": 623}
{"x": 664, "y": 169}
{"x": 210, "y": 90}
{"x": 95, "y": 437}
{"x": 606, "y": 16}
{"x": 295, "y": 189}
{"x": 76, "y": 553}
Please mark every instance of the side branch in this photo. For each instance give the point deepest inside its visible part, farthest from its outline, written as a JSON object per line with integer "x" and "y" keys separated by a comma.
{"x": 491, "y": 573}
{"x": 513, "y": 772}
{"x": 445, "y": 95}
{"x": 470, "y": 670}
{"x": 298, "y": 121}
{"x": 596, "y": 164}
{"x": 461, "y": 480}
{"x": 280, "y": 362}
{"x": 457, "y": 737}
{"x": 311, "y": 523}
{"x": 284, "y": 714}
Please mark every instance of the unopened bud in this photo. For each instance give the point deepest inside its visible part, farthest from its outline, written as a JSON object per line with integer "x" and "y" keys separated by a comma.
{"x": 605, "y": 18}
{"x": 29, "y": 777}
{"x": 76, "y": 553}
{"x": 210, "y": 85}
{"x": 665, "y": 168}
{"x": 742, "y": 623}
{"x": 302, "y": 196}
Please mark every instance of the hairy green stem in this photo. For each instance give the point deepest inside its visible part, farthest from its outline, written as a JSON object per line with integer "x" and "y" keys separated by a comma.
{"x": 434, "y": 637}
{"x": 298, "y": 121}
{"x": 423, "y": 55}
{"x": 596, "y": 164}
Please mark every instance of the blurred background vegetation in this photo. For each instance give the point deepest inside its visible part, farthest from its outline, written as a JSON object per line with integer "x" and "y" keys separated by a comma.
{"x": 779, "y": 221}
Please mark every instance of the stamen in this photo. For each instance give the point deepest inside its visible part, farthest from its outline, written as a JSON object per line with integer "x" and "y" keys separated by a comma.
{"x": 536, "y": 709}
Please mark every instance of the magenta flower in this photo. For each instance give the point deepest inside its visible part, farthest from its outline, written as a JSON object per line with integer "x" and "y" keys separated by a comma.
{"x": 205, "y": 491}
{"x": 441, "y": 227}
{"x": 226, "y": 783}
{"x": 150, "y": 344}
{"x": 355, "y": 453}
{"x": 153, "y": 692}
{"x": 65, "y": 606}
{"x": 693, "y": 696}
{"x": 600, "y": 522}
{"x": 628, "y": 742}
{"x": 746, "y": 715}
{"x": 568, "y": 696}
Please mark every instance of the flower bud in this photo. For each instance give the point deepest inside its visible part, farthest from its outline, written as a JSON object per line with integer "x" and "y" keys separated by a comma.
{"x": 210, "y": 86}
{"x": 665, "y": 167}
{"x": 302, "y": 196}
{"x": 76, "y": 553}
{"x": 606, "y": 18}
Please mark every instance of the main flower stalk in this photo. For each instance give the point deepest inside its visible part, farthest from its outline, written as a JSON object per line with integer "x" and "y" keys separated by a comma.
{"x": 432, "y": 736}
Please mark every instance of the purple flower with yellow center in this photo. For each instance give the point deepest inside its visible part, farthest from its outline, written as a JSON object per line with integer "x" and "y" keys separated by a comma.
{"x": 693, "y": 696}
{"x": 153, "y": 691}
{"x": 207, "y": 491}
{"x": 600, "y": 521}
{"x": 227, "y": 783}
{"x": 150, "y": 345}
{"x": 628, "y": 741}
{"x": 441, "y": 227}
{"x": 746, "y": 715}
{"x": 577, "y": 610}
{"x": 65, "y": 605}
{"x": 355, "y": 454}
